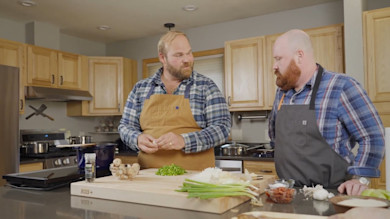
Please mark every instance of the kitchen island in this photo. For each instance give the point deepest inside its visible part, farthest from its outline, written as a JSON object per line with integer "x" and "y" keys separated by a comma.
{"x": 58, "y": 203}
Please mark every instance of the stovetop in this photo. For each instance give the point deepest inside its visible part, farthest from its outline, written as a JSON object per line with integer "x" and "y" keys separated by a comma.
{"x": 53, "y": 152}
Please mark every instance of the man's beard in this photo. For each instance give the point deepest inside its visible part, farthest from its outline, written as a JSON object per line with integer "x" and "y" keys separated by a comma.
{"x": 289, "y": 79}
{"x": 181, "y": 73}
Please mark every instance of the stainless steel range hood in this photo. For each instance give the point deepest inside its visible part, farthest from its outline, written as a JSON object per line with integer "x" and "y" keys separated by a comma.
{"x": 55, "y": 94}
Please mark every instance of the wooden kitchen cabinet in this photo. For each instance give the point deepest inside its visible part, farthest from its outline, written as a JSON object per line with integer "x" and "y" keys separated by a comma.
{"x": 13, "y": 54}
{"x": 110, "y": 81}
{"x": 376, "y": 29}
{"x": 249, "y": 75}
{"x": 52, "y": 68}
{"x": 244, "y": 74}
{"x": 328, "y": 45}
{"x": 260, "y": 167}
{"x": 27, "y": 167}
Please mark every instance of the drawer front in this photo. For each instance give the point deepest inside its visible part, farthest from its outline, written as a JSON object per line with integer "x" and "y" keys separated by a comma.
{"x": 260, "y": 167}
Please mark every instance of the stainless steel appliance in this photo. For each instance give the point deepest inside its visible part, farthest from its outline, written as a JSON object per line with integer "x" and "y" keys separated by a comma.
{"x": 233, "y": 162}
{"x": 52, "y": 158}
{"x": 9, "y": 126}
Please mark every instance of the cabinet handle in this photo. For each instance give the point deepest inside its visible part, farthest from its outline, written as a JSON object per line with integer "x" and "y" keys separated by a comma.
{"x": 119, "y": 107}
{"x": 229, "y": 98}
{"x": 21, "y": 104}
{"x": 265, "y": 171}
{"x": 52, "y": 79}
{"x": 61, "y": 80}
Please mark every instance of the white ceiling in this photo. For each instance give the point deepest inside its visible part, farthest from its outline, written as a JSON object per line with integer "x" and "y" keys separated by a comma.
{"x": 132, "y": 19}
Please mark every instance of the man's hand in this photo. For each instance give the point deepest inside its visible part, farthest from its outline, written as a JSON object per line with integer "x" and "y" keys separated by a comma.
{"x": 147, "y": 143}
{"x": 170, "y": 141}
{"x": 352, "y": 187}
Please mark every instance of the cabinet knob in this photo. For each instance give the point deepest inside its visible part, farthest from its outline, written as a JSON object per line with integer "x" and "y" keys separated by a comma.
{"x": 61, "y": 80}
{"x": 52, "y": 79}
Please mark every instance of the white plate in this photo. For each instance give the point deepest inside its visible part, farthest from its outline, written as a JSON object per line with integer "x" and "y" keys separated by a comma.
{"x": 75, "y": 145}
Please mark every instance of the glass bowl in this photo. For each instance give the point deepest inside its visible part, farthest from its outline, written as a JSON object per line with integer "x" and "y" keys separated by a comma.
{"x": 281, "y": 195}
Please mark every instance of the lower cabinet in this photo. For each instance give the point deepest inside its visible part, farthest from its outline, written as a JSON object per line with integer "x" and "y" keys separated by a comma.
{"x": 127, "y": 159}
{"x": 27, "y": 167}
{"x": 260, "y": 167}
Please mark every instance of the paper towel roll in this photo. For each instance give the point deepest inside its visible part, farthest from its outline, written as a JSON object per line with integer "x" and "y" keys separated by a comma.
{"x": 387, "y": 157}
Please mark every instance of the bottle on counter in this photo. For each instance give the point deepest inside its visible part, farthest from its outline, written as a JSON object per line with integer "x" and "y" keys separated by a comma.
{"x": 90, "y": 167}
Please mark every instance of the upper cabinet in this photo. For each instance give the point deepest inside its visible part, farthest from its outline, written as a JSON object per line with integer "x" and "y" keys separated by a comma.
{"x": 249, "y": 75}
{"x": 328, "y": 45}
{"x": 51, "y": 68}
{"x": 377, "y": 53}
{"x": 244, "y": 74}
{"x": 110, "y": 81}
{"x": 13, "y": 54}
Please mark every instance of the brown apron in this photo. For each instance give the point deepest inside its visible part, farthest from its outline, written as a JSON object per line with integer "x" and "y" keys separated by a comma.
{"x": 163, "y": 113}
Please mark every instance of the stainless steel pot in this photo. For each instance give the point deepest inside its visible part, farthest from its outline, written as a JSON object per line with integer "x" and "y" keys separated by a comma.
{"x": 80, "y": 139}
{"x": 236, "y": 149}
{"x": 36, "y": 148}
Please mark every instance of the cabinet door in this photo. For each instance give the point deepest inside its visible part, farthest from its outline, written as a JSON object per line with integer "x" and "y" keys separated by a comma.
{"x": 41, "y": 67}
{"x": 69, "y": 71}
{"x": 377, "y": 66}
{"x": 105, "y": 85}
{"x": 13, "y": 54}
{"x": 328, "y": 46}
{"x": 244, "y": 76}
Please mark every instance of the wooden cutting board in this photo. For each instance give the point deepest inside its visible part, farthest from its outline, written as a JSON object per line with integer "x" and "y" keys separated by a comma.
{"x": 277, "y": 215}
{"x": 151, "y": 189}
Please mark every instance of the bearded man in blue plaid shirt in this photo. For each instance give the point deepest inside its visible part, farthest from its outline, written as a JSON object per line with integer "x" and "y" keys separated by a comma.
{"x": 177, "y": 116}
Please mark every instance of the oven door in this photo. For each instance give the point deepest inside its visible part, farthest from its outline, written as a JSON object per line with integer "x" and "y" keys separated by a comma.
{"x": 230, "y": 165}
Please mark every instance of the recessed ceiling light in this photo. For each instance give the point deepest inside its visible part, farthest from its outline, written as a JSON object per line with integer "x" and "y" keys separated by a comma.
{"x": 190, "y": 8}
{"x": 27, "y": 3}
{"x": 103, "y": 27}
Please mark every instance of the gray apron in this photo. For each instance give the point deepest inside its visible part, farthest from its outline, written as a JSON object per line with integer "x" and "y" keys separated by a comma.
{"x": 301, "y": 153}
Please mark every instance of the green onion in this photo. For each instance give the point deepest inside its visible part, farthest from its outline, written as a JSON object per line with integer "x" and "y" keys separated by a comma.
{"x": 170, "y": 170}
{"x": 204, "y": 190}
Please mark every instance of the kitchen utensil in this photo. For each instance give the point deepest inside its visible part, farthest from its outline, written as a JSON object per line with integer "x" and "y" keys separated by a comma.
{"x": 39, "y": 111}
{"x": 36, "y": 111}
{"x": 237, "y": 149}
{"x": 343, "y": 208}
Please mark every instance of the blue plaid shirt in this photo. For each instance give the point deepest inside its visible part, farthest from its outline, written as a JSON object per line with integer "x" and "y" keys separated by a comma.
{"x": 345, "y": 116}
{"x": 207, "y": 104}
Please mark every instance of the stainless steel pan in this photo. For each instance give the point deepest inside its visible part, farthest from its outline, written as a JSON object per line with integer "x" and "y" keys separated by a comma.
{"x": 237, "y": 149}
{"x": 35, "y": 148}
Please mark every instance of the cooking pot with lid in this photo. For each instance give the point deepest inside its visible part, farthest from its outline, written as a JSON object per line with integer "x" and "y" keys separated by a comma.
{"x": 80, "y": 139}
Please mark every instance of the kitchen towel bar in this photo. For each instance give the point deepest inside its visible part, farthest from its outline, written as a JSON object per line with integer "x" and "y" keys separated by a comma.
{"x": 259, "y": 117}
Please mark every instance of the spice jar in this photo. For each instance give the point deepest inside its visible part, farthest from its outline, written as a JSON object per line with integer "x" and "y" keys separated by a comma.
{"x": 90, "y": 167}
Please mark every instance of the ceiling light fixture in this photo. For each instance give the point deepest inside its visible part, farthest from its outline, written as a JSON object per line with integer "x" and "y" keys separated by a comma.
{"x": 190, "y": 8}
{"x": 27, "y": 3}
{"x": 103, "y": 27}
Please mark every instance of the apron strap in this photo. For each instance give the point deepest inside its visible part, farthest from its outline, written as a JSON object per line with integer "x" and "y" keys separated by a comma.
{"x": 315, "y": 88}
{"x": 187, "y": 91}
{"x": 151, "y": 90}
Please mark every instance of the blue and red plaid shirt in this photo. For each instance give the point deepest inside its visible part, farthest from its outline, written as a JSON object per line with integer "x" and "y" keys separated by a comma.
{"x": 345, "y": 116}
{"x": 207, "y": 104}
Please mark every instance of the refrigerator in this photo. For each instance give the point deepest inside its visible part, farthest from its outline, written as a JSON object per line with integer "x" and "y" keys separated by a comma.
{"x": 9, "y": 121}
